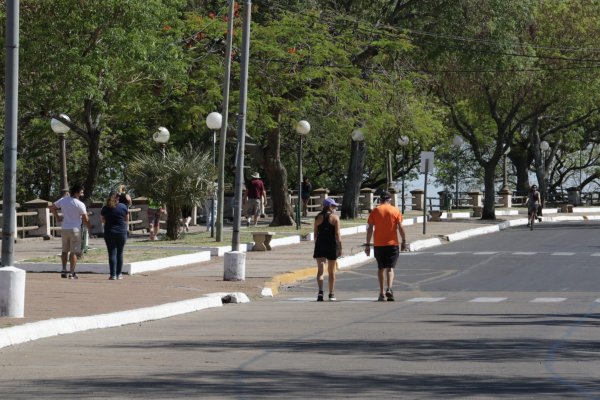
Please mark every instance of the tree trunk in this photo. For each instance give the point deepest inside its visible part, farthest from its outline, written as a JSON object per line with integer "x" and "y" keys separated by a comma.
{"x": 91, "y": 134}
{"x": 283, "y": 213}
{"x": 93, "y": 163}
{"x": 489, "y": 198}
{"x": 520, "y": 159}
{"x": 355, "y": 173}
{"x": 173, "y": 213}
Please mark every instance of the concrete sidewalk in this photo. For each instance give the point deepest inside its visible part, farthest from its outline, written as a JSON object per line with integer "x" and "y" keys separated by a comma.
{"x": 189, "y": 288}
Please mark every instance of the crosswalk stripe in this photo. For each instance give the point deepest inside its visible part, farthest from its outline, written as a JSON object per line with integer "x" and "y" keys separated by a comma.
{"x": 425, "y": 299}
{"x": 446, "y": 253}
{"x": 597, "y": 301}
{"x": 487, "y": 300}
{"x": 525, "y": 253}
{"x": 595, "y": 254}
{"x": 548, "y": 300}
{"x": 485, "y": 253}
{"x": 302, "y": 299}
{"x": 563, "y": 254}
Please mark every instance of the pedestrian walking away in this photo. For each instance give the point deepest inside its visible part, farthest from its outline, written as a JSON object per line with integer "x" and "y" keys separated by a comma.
{"x": 155, "y": 212}
{"x": 328, "y": 245}
{"x": 305, "y": 195}
{"x": 384, "y": 225}
{"x": 256, "y": 197}
{"x": 115, "y": 217}
{"x": 73, "y": 213}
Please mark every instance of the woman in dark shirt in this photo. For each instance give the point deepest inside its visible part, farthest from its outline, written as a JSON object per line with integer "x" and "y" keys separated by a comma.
{"x": 115, "y": 217}
{"x": 328, "y": 245}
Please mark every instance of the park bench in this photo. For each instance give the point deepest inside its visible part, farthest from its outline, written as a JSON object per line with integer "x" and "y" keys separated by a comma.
{"x": 262, "y": 240}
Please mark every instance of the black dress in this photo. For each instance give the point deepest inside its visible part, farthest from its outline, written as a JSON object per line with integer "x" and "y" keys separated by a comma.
{"x": 325, "y": 245}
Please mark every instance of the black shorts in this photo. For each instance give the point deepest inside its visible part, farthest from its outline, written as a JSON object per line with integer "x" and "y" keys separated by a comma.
{"x": 386, "y": 256}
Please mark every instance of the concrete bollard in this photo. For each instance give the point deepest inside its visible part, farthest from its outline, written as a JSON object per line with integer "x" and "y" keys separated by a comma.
{"x": 12, "y": 292}
{"x": 234, "y": 266}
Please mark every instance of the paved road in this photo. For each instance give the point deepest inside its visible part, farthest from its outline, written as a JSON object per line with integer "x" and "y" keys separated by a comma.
{"x": 482, "y": 318}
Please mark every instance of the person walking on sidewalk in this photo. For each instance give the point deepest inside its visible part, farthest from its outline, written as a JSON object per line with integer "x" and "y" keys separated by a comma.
{"x": 386, "y": 221}
{"x": 256, "y": 197}
{"x": 73, "y": 213}
{"x": 328, "y": 245}
{"x": 305, "y": 195}
{"x": 115, "y": 217}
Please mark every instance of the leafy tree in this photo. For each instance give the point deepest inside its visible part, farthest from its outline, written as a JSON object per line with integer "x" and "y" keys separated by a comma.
{"x": 101, "y": 63}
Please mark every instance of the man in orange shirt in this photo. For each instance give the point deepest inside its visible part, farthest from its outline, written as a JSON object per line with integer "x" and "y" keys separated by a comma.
{"x": 387, "y": 221}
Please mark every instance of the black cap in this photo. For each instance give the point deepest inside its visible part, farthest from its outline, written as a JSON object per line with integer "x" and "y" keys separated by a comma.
{"x": 385, "y": 196}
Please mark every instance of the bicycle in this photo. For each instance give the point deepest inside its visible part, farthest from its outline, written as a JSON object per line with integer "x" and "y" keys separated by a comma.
{"x": 532, "y": 218}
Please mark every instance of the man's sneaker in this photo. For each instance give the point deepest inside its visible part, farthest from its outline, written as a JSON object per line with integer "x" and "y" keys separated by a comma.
{"x": 320, "y": 296}
{"x": 389, "y": 294}
{"x": 120, "y": 276}
{"x": 63, "y": 273}
{"x": 112, "y": 278}
{"x": 381, "y": 298}
{"x": 331, "y": 297}
{"x": 73, "y": 276}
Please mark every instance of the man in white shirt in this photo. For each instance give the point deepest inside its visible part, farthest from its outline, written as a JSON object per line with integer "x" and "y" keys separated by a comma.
{"x": 73, "y": 213}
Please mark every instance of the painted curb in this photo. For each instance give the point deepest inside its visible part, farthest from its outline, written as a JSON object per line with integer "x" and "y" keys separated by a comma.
{"x": 61, "y": 326}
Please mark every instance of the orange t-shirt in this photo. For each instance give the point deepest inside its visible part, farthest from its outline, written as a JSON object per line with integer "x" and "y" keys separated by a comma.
{"x": 386, "y": 219}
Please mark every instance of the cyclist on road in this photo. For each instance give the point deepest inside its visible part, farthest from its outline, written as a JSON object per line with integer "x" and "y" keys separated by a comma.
{"x": 533, "y": 202}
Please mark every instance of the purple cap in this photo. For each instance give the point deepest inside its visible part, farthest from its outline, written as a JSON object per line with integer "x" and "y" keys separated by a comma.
{"x": 329, "y": 202}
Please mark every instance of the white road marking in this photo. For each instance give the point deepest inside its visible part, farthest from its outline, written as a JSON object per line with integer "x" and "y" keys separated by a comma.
{"x": 446, "y": 253}
{"x": 363, "y": 299}
{"x": 487, "y": 300}
{"x": 485, "y": 253}
{"x": 548, "y": 300}
{"x": 302, "y": 299}
{"x": 524, "y": 253}
{"x": 563, "y": 254}
{"x": 595, "y": 254}
{"x": 425, "y": 299}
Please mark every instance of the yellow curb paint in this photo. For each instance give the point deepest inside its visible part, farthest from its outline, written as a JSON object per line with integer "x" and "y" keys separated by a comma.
{"x": 290, "y": 277}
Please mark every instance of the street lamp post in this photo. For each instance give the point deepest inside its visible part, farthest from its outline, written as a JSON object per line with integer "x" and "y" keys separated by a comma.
{"x": 214, "y": 120}
{"x": 302, "y": 129}
{"x": 403, "y": 142}
{"x": 60, "y": 129}
{"x": 161, "y": 136}
{"x": 457, "y": 143}
{"x": 544, "y": 146}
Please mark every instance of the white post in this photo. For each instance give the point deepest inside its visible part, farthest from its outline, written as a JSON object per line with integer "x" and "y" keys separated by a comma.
{"x": 12, "y": 292}
{"x": 234, "y": 266}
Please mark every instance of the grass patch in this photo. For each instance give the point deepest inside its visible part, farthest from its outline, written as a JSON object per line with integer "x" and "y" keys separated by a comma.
{"x": 100, "y": 255}
{"x": 203, "y": 239}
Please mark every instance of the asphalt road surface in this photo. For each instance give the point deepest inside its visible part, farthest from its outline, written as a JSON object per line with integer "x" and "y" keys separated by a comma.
{"x": 508, "y": 315}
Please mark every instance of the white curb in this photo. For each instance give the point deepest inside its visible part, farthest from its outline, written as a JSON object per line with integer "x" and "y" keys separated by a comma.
{"x": 60, "y": 326}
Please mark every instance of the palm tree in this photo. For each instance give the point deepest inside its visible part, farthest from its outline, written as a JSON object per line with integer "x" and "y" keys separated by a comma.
{"x": 177, "y": 180}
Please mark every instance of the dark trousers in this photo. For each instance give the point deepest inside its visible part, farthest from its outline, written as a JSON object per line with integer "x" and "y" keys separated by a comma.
{"x": 115, "y": 243}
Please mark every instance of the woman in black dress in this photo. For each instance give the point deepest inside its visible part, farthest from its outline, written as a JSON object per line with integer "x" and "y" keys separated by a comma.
{"x": 328, "y": 245}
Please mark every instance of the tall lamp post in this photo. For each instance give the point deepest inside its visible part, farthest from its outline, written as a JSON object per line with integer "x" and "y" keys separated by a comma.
{"x": 544, "y": 146}
{"x": 457, "y": 143}
{"x": 214, "y": 120}
{"x": 161, "y": 136}
{"x": 403, "y": 142}
{"x": 302, "y": 129}
{"x": 60, "y": 129}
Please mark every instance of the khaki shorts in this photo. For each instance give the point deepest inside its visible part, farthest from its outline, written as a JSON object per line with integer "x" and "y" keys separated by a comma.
{"x": 253, "y": 208}
{"x": 71, "y": 241}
